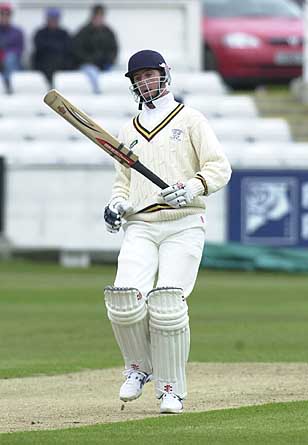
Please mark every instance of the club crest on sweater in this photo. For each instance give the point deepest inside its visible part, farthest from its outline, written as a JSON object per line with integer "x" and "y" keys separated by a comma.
{"x": 176, "y": 135}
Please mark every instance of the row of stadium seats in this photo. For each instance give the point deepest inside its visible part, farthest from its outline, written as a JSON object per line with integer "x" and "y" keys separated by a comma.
{"x": 86, "y": 154}
{"x": 56, "y": 129}
{"x": 112, "y": 82}
{"x": 241, "y": 106}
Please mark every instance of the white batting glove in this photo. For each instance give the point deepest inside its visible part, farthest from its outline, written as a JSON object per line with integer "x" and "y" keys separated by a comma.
{"x": 179, "y": 195}
{"x": 114, "y": 212}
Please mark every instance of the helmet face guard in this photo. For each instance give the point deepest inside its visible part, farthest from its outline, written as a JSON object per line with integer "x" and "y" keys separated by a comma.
{"x": 151, "y": 88}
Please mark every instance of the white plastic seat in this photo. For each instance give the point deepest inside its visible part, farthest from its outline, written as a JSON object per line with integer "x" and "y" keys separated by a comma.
{"x": 4, "y": 149}
{"x": 112, "y": 106}
{"x": 50, "y": 153}
{"x": 114, "y": 83}
{"x": 199, "y": 82}
{"x": 111, "y": 124}
{"x": 267, "y": 154}
{"x": 37, "y": 129}
{"x": 262, "y": 155}
{"x": 20, "y": 152}
{"x": 72, "y": 82}
{"x": 86, "y": 152}
{"x": 295, "y": 154}
{"x": 11, "y": 130}
{"x": 77, "y": 83}
{"x": 252, "y": 130}
{"x": 234, "y": 151}
{"x": 29, "y": 82}
{"x": 33, "y": 105}
{"x": 51, "y": 128}
{"x": 222, "y": 106}
{"x": 22, "y": 105}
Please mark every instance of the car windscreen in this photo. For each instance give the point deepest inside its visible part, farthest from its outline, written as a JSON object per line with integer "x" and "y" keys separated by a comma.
{"x": 251, "y": 8}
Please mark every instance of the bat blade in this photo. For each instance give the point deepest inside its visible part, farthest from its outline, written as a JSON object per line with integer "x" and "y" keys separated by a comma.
{"x": 101, "y": 137}
{"x": 87, "y": 126}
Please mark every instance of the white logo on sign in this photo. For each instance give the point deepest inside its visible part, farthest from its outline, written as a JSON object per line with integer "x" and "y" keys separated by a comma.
{"x": 305, "y": 195}
{"x": 266, "y": 201}
{"x": 304, "y": 231}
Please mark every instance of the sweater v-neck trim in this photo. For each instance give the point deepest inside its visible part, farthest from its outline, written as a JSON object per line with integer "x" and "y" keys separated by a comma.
{"x": 149, "y": 135}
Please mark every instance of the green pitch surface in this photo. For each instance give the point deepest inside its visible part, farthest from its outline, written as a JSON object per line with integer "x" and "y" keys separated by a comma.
{"x": 54, "y": 321}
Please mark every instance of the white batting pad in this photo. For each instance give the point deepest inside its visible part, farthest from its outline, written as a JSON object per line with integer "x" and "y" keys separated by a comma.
{"x": 170, "y": 339}
{"x": 127, "y": 311}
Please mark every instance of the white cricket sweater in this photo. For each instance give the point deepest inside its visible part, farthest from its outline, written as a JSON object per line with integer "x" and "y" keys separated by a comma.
{"x": 177, "y": 143}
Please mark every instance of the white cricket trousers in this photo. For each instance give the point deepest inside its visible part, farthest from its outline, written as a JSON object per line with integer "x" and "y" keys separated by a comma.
{"x": 169, "y": 251}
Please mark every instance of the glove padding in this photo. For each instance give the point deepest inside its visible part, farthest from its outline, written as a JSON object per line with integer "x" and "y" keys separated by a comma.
{"x": 114, "y": 213}
{"x": 177, "y": 195}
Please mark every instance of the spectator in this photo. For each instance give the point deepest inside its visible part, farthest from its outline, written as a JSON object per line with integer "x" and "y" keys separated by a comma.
{"x": 52, "y": 46}
{"x": 300, "y": 2}
{"x": 95, "y": 47}
{"x": 11, "y": 45}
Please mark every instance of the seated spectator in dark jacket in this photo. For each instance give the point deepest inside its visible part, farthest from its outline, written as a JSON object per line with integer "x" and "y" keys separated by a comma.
{"x": 11, "y": 45}
{"x": 95, "y": 47}
{"x": 52, "y": 46}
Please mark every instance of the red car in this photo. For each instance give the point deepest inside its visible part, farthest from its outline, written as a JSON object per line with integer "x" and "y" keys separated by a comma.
{"x": 250, "y": 42}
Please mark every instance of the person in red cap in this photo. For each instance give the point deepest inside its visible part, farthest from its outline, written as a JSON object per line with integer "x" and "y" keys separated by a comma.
{"x": 11, "y": 45}
{"x": 164, "y": 232}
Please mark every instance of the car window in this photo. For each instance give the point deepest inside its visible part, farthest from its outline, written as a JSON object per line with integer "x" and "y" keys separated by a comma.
{"x": 251, "y": 8}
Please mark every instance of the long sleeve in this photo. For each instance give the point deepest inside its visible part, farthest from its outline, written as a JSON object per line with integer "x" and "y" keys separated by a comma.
{"x": 215, "y": 169}
{"x": 121, "y": 185}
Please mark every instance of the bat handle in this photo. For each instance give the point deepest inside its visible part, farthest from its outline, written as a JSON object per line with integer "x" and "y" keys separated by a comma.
{"x": 150, "y": 175}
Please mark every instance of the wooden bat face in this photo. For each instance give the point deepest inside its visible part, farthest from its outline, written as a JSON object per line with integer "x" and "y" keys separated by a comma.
{"x": 82, "y": 122}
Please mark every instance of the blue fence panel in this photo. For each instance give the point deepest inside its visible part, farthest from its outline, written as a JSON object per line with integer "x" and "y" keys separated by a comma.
{"x": 268, "y": 207}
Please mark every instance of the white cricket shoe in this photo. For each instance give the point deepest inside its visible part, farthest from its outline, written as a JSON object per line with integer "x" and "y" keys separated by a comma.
{"x": 133, "y": 385}
{"x": 171, "y": 403}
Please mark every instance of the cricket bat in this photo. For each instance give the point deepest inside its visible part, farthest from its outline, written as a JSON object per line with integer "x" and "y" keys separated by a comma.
{"x": 99, "y": 136}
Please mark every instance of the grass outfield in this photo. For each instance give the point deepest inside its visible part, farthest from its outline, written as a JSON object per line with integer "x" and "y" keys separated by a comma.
{"x": 53, "y": 321}
{"x": 274, "y": 424}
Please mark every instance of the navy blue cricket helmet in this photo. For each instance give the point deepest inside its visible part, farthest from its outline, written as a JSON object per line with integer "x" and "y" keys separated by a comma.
{"x": 146, "y": 59}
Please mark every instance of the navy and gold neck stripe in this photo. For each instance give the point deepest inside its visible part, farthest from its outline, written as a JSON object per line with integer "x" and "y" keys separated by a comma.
{"x": 148, "y": 135}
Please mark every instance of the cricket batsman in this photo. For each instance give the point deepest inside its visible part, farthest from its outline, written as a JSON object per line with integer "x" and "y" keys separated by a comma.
{"x": 164, "y": 232}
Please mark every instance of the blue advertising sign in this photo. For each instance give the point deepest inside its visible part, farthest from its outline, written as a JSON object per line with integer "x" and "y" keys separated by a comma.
{"x": 268, "y": 207}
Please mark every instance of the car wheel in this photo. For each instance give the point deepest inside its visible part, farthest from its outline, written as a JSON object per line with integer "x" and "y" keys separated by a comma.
{"x": 241, "y": 84}
{"x": 209, "y": 61}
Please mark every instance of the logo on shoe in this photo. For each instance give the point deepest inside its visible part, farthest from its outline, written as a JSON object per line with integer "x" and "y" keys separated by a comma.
{"x": 134, "y": 366}
{"x": 168, "y": 388}
{"x": 139, "y": 296}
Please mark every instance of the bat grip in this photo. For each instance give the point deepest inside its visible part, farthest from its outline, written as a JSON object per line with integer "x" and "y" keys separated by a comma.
{"x": 149, "y": 174}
